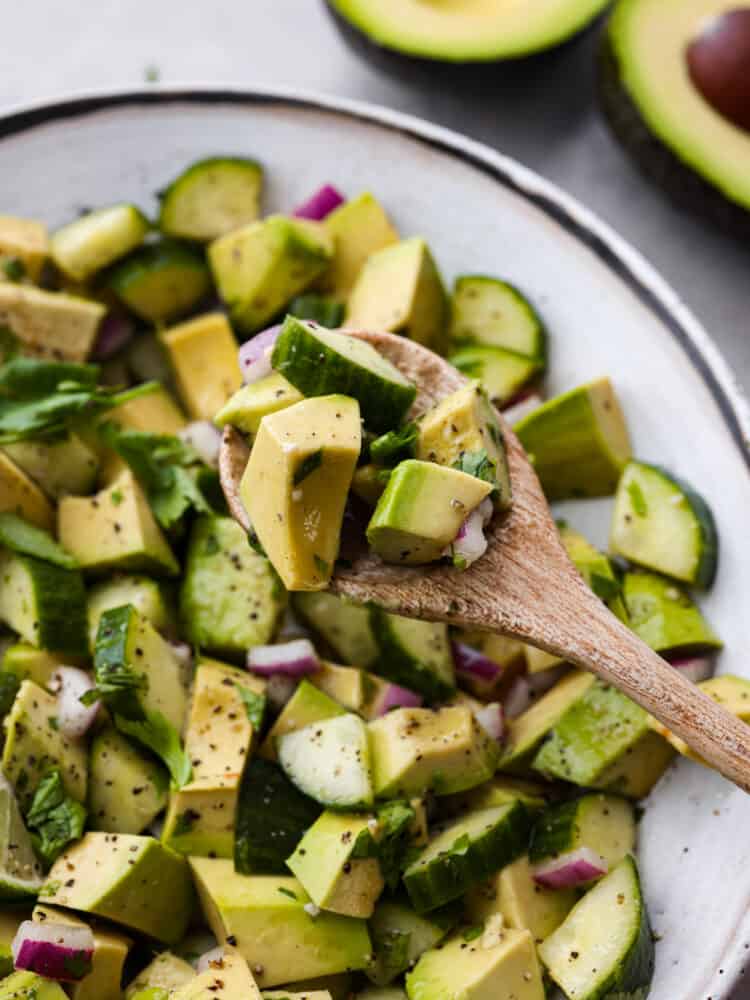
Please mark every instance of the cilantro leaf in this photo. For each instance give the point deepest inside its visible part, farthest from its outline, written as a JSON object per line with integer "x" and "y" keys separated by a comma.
{"x": 478, "y": 464}
{"x": 160, "y": 736}
{"x": 307, "y": 466}
{"x": 473, "y": 932}
{"x": 26, "y": 539}
{"x": 255, "y": 706}
{"x": 54, "y": 819}
{"x": 395, "y": 446}
{"x": 389, "y": 841}
{"x": 30, "y": 378}
{"x": 606, "y": 588}
{"x": 117, "y": 684}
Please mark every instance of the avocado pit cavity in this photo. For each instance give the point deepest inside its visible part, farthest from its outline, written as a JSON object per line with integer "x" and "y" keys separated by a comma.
{"x": 718, "y": 61}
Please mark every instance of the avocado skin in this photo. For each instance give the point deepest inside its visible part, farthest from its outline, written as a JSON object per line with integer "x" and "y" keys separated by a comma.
{"x": 684, "y": 186}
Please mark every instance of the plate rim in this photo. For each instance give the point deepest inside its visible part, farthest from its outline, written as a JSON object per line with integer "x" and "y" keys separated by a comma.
{"x": 613, "y": 250}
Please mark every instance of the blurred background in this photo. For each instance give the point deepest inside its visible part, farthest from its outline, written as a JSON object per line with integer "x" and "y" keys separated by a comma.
{"x": 543, "y": 112}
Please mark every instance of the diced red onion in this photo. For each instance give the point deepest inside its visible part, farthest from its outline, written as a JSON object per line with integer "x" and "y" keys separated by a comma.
{"x": 521, "y": 406}
{"x": 320, "y": 204}
{"x": 470, "y": 542}
{"x": 491, "y": 718}
{"x": 55, "y": 951}
{"x": 474, "y": 663}
{"x": 279, "y": 689}
{"x": 571, "y": 869}
{"x": 293, "y": 659}
{"x": 543, "y": 680}
{"x": 694, "y": 668}
{"x": 395, "y": 696}
{"x": 115, "y": 332}
{"x": 518, "y": 698}
{"x": 204, "y": 438}
{"x": 255, "y": 355}
{"x": 206, "y": 959}
{"x": 70, "y": 684}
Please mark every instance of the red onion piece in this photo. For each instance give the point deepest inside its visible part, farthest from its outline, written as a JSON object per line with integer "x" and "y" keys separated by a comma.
{"x": 292, "y": 659}
{"x": 255, "y": 355}
{"x": 115, "y": 331}
{"x": 395, "y": 696}
{"x": 208, "y": 957}
{"x": 521, "y": 406}
{"x": 55, "y": 951}
{"x": 571, "y": 869}
{"x": 474, "y": 663}
{"x": 470, "y": 542}
{"x": 204, "y": 438}
{"x": 694, "y": 668}
{"x": 543, "y": 680}
{"x": 320, "y": 204}
{"x": 279, "y": 689}
{"x": 491, "y": 718}
{"x": 518, "y": 698}
{"x": 73, "y": 718}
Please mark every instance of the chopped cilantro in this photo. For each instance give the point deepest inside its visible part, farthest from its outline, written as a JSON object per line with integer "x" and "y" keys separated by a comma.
{"x": 307, "y": 466}
{"x": 255, "y": 706}
{"x": 395, "y": 446}
{"x": 287, "y": 892}
{"x": 14, "y": 268}
{"x": 477, "y": 464}
{"x": 54, "y": 819}
{"x": 473, "y": 932}
{"x": 321, "y": 565}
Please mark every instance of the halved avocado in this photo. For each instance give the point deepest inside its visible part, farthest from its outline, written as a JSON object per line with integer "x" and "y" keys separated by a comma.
{"x": 674, "y": 87}
{"x": 465, "y": 31}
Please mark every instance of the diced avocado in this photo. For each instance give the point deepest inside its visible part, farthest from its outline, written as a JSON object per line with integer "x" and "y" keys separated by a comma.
{"x": 20, "y": 495}
{"x": 595, "y": 568}
{"x": 308, "y": 704}
{"x": 399, "y": 289}
{"x": 161, "y": 281}
{"x": 494, "y": 313}
{"x": 115, "y": 530}
{"x": 327, "y": 866}
{"x": 497, "y": 792}
{"x": 108, "y": 872}
{"x": 200, "y": 817}
{"x": 603, "y": 823}
{"x": 663, "y": 615}
{"x": 578, "y": 441}
{"x": 501, "y": 964}
{"x": 349, "y": 686}
{"x": 35, "y": 745}
{"x": 58, "y": 467}
{"x": 338, "y": 986}
{"x": 29, "y": 663}
{"x": 513, "y": 893}
{"x": 502, "y": 374}
{"x": 296, "y": 484}
{"x": 414, "y": 654}
{"x": 230, "y": 598}
{"x": 50, "y": 324}
{"x": 29, "y": 986}
{"x": 416, "y": 749}
{"x": 97, "y": 239}
{"x": 539, "y": 660}
{"x": 359, "y": 227}
{"x": 20, "y": 870}
{"x": 260, "y": 267}
{"x": 526, "y": 732}
{"x": 247, "y": 407}
{"x": 400, "y": 936}
{"x": 110, "y": 952}
{"x": 25, "y": 241}
{"x": 166, "y": 971}
{"x": 731, "y": 692}
{"x": 45, "y": 604}
{"x": 147, "y": 596}
{"x": 637, "y": 771}
{"x": 154, "y": 411}
{"x": 211, "y": 197}
{"x": 226, "y": 978}
{"x": 463, "y": 432}
{"x": 343, "y": 625}
{"x": 203, "y": 354}
{"x": 127, "y": 789}
{"x": 265, "y": 916}
{"x": 421, "y": 511}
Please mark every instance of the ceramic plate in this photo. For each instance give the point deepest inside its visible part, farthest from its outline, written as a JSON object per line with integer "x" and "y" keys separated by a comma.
{"x": 607, "y": 312}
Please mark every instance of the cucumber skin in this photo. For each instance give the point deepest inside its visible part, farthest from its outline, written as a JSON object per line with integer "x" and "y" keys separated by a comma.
{"x": 551, "y": 834}
{"x": 127, "y": 273}
{"x": 540, "y": 355}
{"x": 400, "y": 668}
{"x": 61, "y": 605}
{"x": 174, "y": 189}
{"x": 111, "y": 660}
{"x": 449, "y": 876}
{"x": 316, "y": 370}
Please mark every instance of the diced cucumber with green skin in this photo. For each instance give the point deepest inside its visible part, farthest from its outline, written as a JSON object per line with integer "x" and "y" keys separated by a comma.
{"x": 595, "y": 568}
{"x": 127, "y": 789}
{"x": 247, "y": 407}
{"x": 161, "y": 282}
{"x": 494, "y": 313}
{"x": 307, "y": 705}
{"x": 318, "y": 308}
{"x": 591, "y": 736}
{"x": 97, "y": 240}
{"x": 578, "y": 442}
{"x": 609, "y": 934}
{"x": 45, "y": 604}
{"x": 499, "y": 791}
{"x": 149, "y": 597}
{"x": 211, "y": 197}
{"x": 346, "y": 627}
{"x": 502, "y": 373}
{"x": 330, "y": 762}
{"x": 466, "y": 851}
{"x": 638, "y": 770}
{"x": 663, "y": 615}
{"x": 661, "y": 523}
{"x": 28, "y": 986}
{"x": 321, "y": 362}
{"x": 603, "y": 823}
{"x": 399, "y": 936}
{"x": 415, "y": 654}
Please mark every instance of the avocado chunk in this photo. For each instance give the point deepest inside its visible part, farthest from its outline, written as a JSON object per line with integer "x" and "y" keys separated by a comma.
{"x": 20, "y": 495}
{"x": 50, "y": 324}
{"x": 28, "y": 663}
{"x": 307, "y": 705}
{"x": 203, "y": 355}
{"x": 665, "y": 617}
{"x": 24, "y": 242}
{"x": 260, "y": 267}
{"x": 226, "y": 978}
{"x": 58, "y": 467}
{"x": 161, "y": 281}
{"x": 115, "y": 530}
{"x": 97, "y": 239}
{"x": 731, "y": 692}
{"x": 400, "y": 936}
{"x": 166, "y": 971}
{"x": 359, "y": 227}
{"x": 154, "y": 411}
{"x": 344, "y": 626}
{"x": 636, "y": 772}
{"x": 147, "y": 596}
{"x": 296, "y": 484}
{"x": 349, "y": 686}
{"x": 501, "y": 964}
{"x": 578, "y": 442}
{"x": 463, "y": 432}
{"x": 416, "y": 749}
{"x": 421, "y": 511}
{"x": 29, "y": 986}
{"x": 399, "y": 290}
{"x": 230, "y": 598}
{"x": 200, "y": 818}
{"x": 108, "y": 872}
{"x": 327, "y": 865}
{"x": 266, "y": 916}
{"x": 247, "y": 407}
{"x": 496, "y": 792}
{"x": 9, "y": 921}
{"x": 34, "y": 745}
{"x": 127, "y": 789}
{"x": 596, "y": 569}
{"x": 20, "y": 870}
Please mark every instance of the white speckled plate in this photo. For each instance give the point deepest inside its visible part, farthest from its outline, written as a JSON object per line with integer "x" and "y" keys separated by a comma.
{"x": 607, "y": 311}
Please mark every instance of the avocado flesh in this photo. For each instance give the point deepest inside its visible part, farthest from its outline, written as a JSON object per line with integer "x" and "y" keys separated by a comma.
{"x": 683, "y": 143}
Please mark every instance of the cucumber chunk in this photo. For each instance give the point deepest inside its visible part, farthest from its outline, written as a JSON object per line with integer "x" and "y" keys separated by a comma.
{"x": 318, "y": 308}
{"x": 346, "y": 627}
{"x": 161, "y": 282}
{"x": 466, "y": 851}
{"x": 494, "y": 313}
{"x": 603, "y": 823}
{"x": 399, "y": 936}
{"x": 321, "y": 362}
{"x": 307, "y": 705}
{"x": 663, "y": 615}
{"x": 502, "y": 373}
{"x": 330, "y": 762}
{"x": 415, "y": 654}
{"x": 97, "y": 240}
{"x": 211, "y": 197}
{"x": 661, "y": 523}
{"x": 604, "y": 949}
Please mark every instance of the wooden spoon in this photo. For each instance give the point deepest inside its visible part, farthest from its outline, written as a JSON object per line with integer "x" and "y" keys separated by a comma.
{"x": 525, "y": 586}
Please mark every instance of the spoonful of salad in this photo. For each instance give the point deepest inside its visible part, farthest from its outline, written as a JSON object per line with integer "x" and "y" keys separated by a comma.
{"x": 458, "y": 528}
